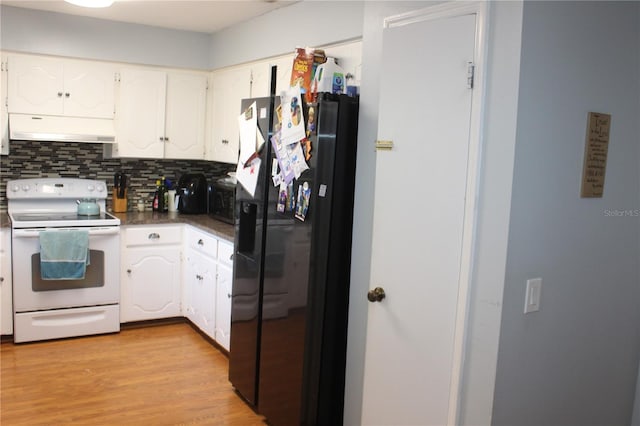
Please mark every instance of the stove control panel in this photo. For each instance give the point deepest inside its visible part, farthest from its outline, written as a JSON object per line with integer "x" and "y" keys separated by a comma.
{"x": 56, "y": 188}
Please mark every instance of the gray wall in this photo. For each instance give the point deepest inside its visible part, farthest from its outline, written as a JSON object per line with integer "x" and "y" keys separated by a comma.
{"x": 308, "y": 23}
{"x": 575, "y": 361}
{"x": 34, "y": 31}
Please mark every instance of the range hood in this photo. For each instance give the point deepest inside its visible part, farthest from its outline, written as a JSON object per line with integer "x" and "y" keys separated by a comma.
{"x": 27, "y": 127}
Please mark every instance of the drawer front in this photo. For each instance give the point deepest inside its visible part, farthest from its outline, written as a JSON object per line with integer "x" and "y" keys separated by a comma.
{"x": 202, "y": 242}
{"x": 153, "y": 235}
{"x": 225, "y": 252}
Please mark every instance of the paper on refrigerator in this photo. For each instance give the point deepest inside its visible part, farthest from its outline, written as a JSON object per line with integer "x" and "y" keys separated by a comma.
{"x": 292, "y": 116}
{"x": 251, "y": 142}
{"x": 290, "y": 158}
{"x": 248, "y": 125}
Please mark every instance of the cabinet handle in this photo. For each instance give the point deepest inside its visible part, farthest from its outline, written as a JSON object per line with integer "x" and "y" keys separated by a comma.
{"x": 59, "y": 94}
{"x": 66, "y": 95}
{"x": 161, "y": 139}
{"x": 166, "y": 139}
{"x": 231, "y": 257}
{"x": 200, "y": 242}
{"x": 154, "y": 236}
{"x": 229, "y": 295}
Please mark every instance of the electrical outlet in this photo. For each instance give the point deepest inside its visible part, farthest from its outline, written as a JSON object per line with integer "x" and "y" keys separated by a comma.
{"x": 532, "y": 295}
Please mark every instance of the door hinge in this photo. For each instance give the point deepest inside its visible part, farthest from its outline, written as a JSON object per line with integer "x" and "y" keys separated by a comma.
{"x": 471, "y": 70}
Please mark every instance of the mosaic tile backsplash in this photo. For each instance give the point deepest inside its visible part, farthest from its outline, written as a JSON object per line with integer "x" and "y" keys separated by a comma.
{"x": 84, "y": 160}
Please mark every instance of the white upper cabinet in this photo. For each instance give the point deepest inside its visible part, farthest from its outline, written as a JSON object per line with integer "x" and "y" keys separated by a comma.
{"x": 51, "y": 86}
{"x": 140, "y": 113}
{"x": 260, "y": 80}
{"x": 161, "y": 115}
{"x": 185, "y": 116}
{"x": 283, "y": 73}
{"x": 229, "y": 87}
{"x": 4, "y": 116}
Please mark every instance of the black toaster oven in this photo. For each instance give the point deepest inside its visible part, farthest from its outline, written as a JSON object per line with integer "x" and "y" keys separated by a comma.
{"x": 222, "y": 197}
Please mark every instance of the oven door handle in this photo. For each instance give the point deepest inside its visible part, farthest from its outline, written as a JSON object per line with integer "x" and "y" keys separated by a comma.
{"x": 35, "y": 233}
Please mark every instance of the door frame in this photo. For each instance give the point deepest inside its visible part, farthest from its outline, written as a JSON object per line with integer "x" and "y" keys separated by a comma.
{"x": 474, "y": 163}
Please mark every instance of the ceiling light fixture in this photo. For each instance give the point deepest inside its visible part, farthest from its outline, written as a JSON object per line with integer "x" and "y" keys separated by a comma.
{"x": 91, "y": 3}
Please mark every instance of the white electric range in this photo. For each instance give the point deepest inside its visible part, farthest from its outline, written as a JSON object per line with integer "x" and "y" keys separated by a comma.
{"x": 49, "y": 309}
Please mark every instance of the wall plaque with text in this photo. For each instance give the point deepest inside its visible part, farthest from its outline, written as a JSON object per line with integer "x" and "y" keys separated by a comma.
{"x": 595, "y": 155}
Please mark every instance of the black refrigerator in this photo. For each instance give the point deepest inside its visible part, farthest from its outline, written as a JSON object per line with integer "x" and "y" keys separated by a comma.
{"x": 290, "y": 293}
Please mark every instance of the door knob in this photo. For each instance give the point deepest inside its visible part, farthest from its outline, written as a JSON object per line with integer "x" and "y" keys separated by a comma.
{"x": 376, "y": 295}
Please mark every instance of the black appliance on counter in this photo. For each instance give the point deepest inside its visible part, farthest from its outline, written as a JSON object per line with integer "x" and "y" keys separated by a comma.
{"x": 222, "y": 198}
{"x": 192, "y": 191}
{"x": 291, "y": 279}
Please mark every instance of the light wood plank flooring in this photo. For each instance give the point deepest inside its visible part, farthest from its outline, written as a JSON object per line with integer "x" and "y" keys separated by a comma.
{"x": 159, "y": 375}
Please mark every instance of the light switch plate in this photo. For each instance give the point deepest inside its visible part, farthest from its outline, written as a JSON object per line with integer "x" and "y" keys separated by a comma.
{"x": 532, "y": 295}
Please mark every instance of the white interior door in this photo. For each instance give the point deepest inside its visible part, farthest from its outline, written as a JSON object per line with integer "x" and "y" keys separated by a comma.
{"x": 421, "y": 184}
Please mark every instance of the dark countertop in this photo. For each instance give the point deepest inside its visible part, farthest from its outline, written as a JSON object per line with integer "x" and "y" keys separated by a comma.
{"x": 201, "y": 221}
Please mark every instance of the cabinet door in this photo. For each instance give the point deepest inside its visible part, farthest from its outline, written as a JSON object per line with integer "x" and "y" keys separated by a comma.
{"x": 35, "y": 85}
{"x": 6, "y": 293}
{"x": 260, "y": 80}
{"x": 223, "y": 306}
{"x": 229, "y": 88}
{"x": 151, "y": 283}
{"x": 283, "y": 77}
{"x": 185, "y": 116}
{"x": 4, "y": 115}
{"x": 201, "y": 280}
{"x": 189, "y": 286}
{"x": 89, "y": 89}
{"x": 140, "y": 114}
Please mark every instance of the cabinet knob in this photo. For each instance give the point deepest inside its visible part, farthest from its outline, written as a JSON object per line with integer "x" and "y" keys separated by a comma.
{"x": 229, "y": 295}
{"x": 154, "y": 236}
{"x": 199, "y": 277}
{"x": 66, "y": 95}
{"x": 200, "y": 242}
{"x": 376, "y": 295}
{"x": 1, "y": 279}
{"x": 59, "y": 94}
{"x": 161, "y": 138}
{"x": 231, "y": 257}
{"x": 129, "y": 271}
{"x": 224, "y": 141}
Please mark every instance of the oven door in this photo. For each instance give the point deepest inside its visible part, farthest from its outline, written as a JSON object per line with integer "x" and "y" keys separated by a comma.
{"x": 100, "y": 286}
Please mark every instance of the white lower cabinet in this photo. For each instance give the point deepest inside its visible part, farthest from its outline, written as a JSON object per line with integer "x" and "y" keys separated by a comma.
{"x": 6, "y": 291}
{"x": 223, "y": 294}
{"x": 177, "y": 270}
{"x": 207, "y": 284}
{"x": 200, "y": 290}
{"x": 151, "y": 276}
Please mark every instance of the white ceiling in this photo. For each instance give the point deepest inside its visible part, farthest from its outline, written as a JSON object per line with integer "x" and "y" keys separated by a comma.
{"x": 206, "y": 16}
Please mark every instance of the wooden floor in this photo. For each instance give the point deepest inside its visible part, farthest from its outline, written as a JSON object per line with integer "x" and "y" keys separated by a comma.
{"x": 160, "y": 375}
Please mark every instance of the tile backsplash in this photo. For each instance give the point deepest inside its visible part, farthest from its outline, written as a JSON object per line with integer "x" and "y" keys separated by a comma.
{"x": 82, "y": 160}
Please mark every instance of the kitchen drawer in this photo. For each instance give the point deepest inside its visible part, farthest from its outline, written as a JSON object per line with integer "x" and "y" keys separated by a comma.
{"x": 225, "y": 252}
{"x": 202, "y": 242}
{"x": 153, "y": 235}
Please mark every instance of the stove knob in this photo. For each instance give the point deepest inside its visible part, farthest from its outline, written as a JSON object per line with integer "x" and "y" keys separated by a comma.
{"x": 15, "y": 188}
{"x": 26, "y": 188}
{"x": 91, "y": 188}
{"x": 100, "y": 188}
